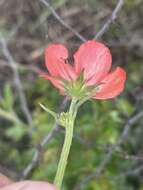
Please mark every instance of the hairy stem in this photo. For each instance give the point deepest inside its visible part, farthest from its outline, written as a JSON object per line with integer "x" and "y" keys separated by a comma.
{"x": 66, "y": 146}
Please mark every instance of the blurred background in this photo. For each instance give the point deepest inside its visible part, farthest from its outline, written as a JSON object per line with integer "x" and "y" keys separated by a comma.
{"x": 107, "y": 150}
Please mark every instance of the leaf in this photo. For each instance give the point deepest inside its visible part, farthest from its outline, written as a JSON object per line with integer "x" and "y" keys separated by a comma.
{"x": 8, "y": 98}
{"x": 16, "y": 132}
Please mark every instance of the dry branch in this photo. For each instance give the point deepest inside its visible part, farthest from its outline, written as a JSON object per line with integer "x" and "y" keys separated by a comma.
{"x": 17, "y": 81}
{"x": 110, "y": 20}
{"x": 55, "y": 14}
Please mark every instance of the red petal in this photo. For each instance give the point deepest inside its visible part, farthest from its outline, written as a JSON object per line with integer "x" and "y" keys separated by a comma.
{"x": 55, "y": 56}
{"x": 56, "y": 82}
{"x": 112, "y": 85}
{"x": 95, "y": 58}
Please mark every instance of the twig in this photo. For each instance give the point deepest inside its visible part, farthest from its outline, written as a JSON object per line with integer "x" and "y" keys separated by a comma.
{"x": 38, "y": 149}
{"x": 126, "y": 156}
{"x": 21, "y": 67}
{"x": 17, "y": 80}
{"x": 55, "y": 14}
{"x": 132, "y": 120}
{"x": 44, "y": 142}
{"x": 132, "y": 172}
{"x": 110, "y": 20}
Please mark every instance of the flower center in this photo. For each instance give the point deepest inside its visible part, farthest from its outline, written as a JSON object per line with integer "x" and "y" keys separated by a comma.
{"x": 76, "y": 88}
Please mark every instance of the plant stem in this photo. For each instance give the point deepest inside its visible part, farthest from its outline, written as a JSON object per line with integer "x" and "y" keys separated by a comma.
{"x": 66, "y": 146}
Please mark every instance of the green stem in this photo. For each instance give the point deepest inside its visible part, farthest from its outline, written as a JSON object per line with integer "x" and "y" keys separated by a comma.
{"x": 66, "y": 147}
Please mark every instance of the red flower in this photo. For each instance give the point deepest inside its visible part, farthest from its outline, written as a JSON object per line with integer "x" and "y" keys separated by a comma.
{"x": 88, "y": 76}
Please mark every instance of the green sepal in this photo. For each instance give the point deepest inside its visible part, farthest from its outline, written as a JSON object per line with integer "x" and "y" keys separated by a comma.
{"x": 64, "y": 119}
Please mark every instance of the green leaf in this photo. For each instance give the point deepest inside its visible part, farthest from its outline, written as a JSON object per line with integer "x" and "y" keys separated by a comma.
{"x": 8, "y": 98}
{"x": 16, "y": 132}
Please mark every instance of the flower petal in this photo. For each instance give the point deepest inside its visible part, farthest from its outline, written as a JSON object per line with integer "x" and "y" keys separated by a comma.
{"x": 55, "y": 56}
{"x": 95, "y": 59}
{"x": 56, "y": 82}
{"x": 112, "y": 85}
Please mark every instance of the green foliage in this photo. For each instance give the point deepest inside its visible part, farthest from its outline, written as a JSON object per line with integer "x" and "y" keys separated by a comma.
{"x": 8, "y": 100}
{"x": 15, "y": 132}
